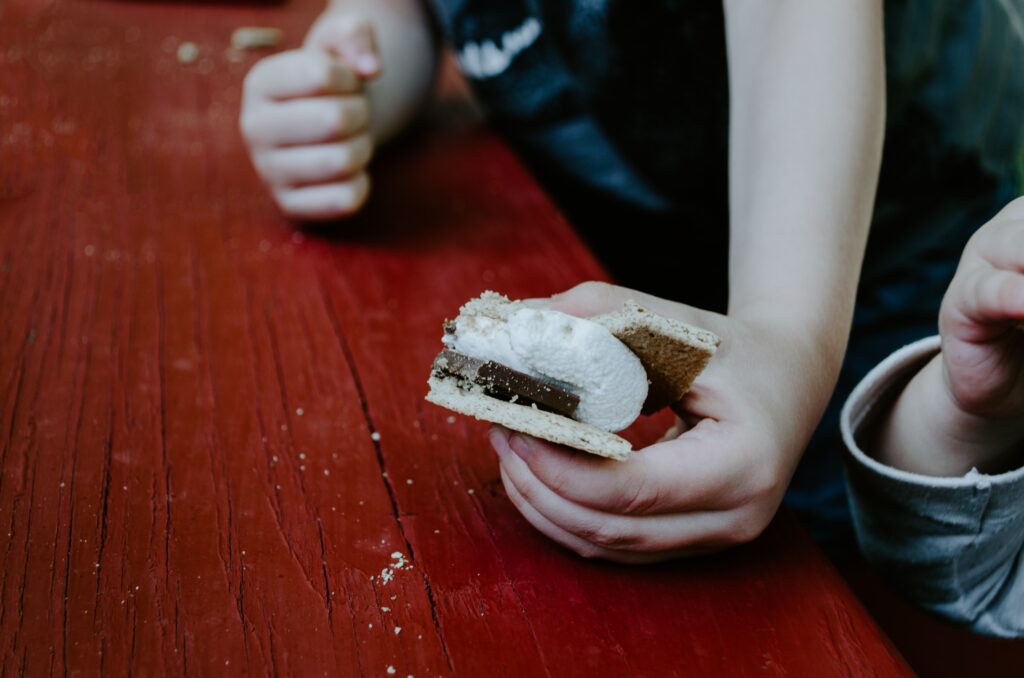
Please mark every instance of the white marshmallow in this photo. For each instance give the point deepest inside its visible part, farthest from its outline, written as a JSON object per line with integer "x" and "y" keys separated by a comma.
{"x": 574, "y": 353}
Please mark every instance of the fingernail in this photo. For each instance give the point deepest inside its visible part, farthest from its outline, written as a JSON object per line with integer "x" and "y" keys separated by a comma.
{"x": 520, "y": 445}
{"x": 368, "y": 63}
{"x": 499, "y": 441}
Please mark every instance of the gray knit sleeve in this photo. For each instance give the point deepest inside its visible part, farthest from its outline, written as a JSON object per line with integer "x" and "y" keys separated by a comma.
{"x": 954, "y": 546}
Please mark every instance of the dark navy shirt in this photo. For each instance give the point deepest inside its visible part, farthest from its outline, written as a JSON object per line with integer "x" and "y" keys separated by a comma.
{"x": 621, "y": 110}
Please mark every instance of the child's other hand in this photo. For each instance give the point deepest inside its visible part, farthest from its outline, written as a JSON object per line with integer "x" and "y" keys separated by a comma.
{"x": 964, "y": 409}
{"x": 982, "y": 351}
{"x": 306, "y": 119}
{"x": 747, "y": 419}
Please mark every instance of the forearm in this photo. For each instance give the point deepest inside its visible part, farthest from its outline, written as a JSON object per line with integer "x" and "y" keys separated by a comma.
{"x": 807, "y": 119}
{"x": 409, "y": 58}
{"x": 926, "y": 433}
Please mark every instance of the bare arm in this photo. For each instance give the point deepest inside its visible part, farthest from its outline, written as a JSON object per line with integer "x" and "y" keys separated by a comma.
{"x": 807, "y": 118}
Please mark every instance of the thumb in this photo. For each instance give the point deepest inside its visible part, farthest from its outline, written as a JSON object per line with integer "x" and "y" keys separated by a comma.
{"x": 594, "y": 298}
{"x": 350, "y": 38}
{"x": 586, "y": 299}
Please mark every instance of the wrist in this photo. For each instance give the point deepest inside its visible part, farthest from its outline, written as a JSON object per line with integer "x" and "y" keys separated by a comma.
{"x": 927, "y": 432}
{"x": 819, "y": 340}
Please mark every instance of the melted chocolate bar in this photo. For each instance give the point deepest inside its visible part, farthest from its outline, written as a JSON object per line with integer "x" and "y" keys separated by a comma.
{"x": 507, "y": 384}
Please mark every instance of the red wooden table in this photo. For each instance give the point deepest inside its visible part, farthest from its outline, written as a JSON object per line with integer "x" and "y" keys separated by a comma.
{"x": 216, "y": 457}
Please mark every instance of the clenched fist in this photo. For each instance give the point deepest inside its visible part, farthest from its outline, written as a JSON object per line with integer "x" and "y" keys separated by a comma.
{"x": 306, "y": 119}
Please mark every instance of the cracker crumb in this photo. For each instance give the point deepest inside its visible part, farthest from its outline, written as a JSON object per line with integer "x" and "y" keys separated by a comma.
{"x": 327, "y": 471}
{"x": 375, "y": 437}
{"x": 471, "y": 491}
{"x": 299, "y": 411}
{"x": 302, "y": 455}
{"x": 408, "y": 481}
{"x": 385, "y": 609}
{"x": 187, "y": 52}
{"x": 451, "y": 418}
{"x": 391, "y": 670}
{"x": 256, "y": 37}
{"x": 398, "y": 629}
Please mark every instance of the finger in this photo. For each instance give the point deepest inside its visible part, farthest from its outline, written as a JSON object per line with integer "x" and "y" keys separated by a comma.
{"x": 299, "y": 73}
{"x": 588, "y": 299}
{"x": 594, "y": 298}
{"x": 325, "y": 201}
{"x": 306, "y": 121}
{"x": 304, "y": 165}
{"x": 992, "y": 297}
{"x": 574, "y": 543}
{"x": 352, "y": 39}
{"x": 546, "y": 527}
{"x": 666, "y": 477}
{"x": 678, "y": 428}
{"x": 1001, "y": 242}
{"x": 647, "y": 534}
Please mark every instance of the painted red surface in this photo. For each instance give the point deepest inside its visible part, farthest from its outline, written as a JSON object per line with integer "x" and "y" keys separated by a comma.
{"x": 189, "y": 388}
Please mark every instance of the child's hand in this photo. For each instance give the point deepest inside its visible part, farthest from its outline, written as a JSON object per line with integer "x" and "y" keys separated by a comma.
{"x": 965, "y": 408}
{"x": 749, "y": 416}
{"x": 306, "y": 119}
{"x": 982, "y": 352}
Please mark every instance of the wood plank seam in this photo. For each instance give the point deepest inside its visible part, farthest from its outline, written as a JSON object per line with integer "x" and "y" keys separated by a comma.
{"x": 375, "y": 439}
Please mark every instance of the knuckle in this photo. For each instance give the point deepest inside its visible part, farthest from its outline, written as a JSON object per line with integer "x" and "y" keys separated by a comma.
{"x": 332, "y": 119}
{"x": 588, "y": 551}
{"x": 264, "y": 167}
{"x": 248, "y": 123}
{"x": 743, "y": 528}
{"x": 592, "y": 289}
{"x": 557, "y": 480}
{"x": 609, "y": 535}
{"x": 362, "y": 189}
{"x": 331, "y": 163}
{"x": 255, "y": 76}
{"x": 284, "y": 200}
{"x": 644, "y": 497}
{"x": 1015, "y": 208}
{"x": 342, "y": 202}
{"x": 266, "y": 70}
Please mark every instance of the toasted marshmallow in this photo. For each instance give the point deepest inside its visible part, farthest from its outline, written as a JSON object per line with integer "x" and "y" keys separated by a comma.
{"x": 574, "y": 353}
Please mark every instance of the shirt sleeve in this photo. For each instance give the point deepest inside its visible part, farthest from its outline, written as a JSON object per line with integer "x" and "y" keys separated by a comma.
{"x": 954, "y": 546}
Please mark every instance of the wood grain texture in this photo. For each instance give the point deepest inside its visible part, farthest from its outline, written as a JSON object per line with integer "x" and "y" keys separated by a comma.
{"x": 215, "y": 454}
